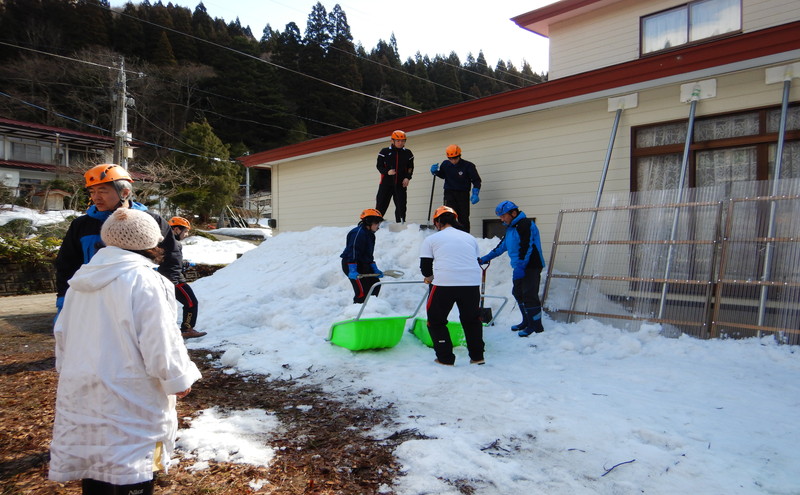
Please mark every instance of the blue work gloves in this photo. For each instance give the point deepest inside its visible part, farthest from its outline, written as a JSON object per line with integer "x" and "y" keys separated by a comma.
{"x": 474, "y": 199}
{"x": 518, "y": 273}
{"x": 375, "y": 270}
{"x": 483, "y": 260}
{"x": 353, "y": 273}
{"x": 434, "y": 168}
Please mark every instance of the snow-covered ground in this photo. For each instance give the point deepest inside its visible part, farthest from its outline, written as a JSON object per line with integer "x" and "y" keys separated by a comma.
{"x": 37, "y": 218}
{"x": 550, "y": 414}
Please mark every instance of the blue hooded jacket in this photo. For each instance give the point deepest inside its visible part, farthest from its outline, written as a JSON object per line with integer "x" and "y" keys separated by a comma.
{"x": 523, "y": 244}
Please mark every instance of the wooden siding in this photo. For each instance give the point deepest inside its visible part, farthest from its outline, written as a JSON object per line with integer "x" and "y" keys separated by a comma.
{"x": 610, "y": 36}
{"x": 761, "y": 14}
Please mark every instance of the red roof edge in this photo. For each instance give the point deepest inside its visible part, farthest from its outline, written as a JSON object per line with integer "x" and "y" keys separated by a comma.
{"x": 60, "y": 130}
{"x": 548, "y": 12}
{"x": 720, "y": 52}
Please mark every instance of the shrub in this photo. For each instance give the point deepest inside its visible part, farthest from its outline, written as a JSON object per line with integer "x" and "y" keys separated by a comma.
{"x": 30, "y": 250}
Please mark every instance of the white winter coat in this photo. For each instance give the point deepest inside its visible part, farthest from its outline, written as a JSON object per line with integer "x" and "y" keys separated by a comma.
{"x": 120, "y": 358}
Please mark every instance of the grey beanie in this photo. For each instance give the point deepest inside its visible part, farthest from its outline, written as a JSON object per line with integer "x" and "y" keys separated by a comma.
{"x": 131, "y": 229}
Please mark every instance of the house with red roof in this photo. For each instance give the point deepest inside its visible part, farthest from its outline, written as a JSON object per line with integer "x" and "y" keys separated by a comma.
{"x": 31, "y": 155}
{"x": 720, "y": 62}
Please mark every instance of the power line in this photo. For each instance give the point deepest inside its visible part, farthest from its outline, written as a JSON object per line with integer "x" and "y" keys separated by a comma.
{"x": 141, "y": 74}
{"x": 155, "y": 145}
{"x": 329, "y": 83}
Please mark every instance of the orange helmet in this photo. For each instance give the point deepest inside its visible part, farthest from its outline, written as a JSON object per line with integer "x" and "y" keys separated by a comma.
{"x": 106, "y": 172}
{"x": 452, "y": 151}
{"x": 442, "y": 210}
{"x": 371, "y": 212}
{"x": 398, "y": 135}
{"x": 179, "y": 222}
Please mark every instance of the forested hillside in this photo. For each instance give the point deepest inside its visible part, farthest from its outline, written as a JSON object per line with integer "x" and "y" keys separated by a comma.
{"x": 59, "y": 63}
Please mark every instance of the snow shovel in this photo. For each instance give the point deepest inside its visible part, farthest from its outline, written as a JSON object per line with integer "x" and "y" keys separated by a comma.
{"x": 388, "y": 273}
{"x": 358, "y": 334}
{"x": 428, "y": 226}
{"x": 485, "y": 314}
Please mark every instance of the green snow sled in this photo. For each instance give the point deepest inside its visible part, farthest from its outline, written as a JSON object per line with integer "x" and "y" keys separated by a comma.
{"x": 420, "y": 329}
{"x": 359, "y": 334}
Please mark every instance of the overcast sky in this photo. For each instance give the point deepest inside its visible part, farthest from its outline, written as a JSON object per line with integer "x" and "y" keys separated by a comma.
{"x": 428, "y": 26}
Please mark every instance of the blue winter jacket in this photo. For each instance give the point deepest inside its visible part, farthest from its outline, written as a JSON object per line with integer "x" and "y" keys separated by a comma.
{"x": 360, "y": 246}
{"x": 82, "y": 241}
{"x": 523, "y": 244}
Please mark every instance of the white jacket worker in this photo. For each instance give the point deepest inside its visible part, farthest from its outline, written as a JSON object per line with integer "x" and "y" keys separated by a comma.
{"x": 449, "y": 261}
{"x": 121, "y": 363}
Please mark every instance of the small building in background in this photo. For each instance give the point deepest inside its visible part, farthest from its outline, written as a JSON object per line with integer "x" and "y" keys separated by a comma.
{"x": 32, "y": 155}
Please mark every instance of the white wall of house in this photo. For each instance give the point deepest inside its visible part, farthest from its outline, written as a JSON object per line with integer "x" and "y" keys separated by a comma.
{"x": 543, "y": 160}
{"x": 610, "y": 36}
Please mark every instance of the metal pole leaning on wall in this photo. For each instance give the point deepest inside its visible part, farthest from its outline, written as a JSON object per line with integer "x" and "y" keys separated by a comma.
{"x": 616, "y": 105}
{"x": 691, "y": 92}
{"x": 783, "y": 74}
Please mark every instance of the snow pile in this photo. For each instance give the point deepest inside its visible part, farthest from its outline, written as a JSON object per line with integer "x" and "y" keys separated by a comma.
{"x": 554, "y": 413}
{"x": 37, "y": 218}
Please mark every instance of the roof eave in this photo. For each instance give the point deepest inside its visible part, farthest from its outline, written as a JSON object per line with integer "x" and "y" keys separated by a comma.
{"x": 691, "y": 59}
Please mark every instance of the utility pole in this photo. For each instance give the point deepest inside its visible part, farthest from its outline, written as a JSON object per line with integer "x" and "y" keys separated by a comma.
{"x": 122, "y": 138}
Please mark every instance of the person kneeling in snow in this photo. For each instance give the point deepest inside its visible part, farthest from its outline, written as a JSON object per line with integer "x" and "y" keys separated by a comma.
{"x": 121, "y": 363}
{"x": 358, "y": 262}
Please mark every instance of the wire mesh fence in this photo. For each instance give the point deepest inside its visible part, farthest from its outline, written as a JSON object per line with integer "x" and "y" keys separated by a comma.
{"x": 710, "y": 262}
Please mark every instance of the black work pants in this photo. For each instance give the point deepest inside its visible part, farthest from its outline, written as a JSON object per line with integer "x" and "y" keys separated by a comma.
{"x": 361, "y": 286}
{"x": 526, "y": 291}
{"x": 185, "y": 295}
{"x": 440, "y": 302}
{"x": 94, "y": 487}
{"x": 387, "y": 191}
{"x": 459, "y": 201}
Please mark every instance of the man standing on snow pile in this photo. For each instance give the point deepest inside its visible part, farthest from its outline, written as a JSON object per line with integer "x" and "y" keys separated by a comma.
{"x": 110, "y": 187}
{"x": 448, "y": 263}
{"x": 358, "y": 262}
{"x": 396, "y": 165}
{"x": 458, "y": 175}
{"x": 183, "y": 292}
{"x": 524, "y": 248}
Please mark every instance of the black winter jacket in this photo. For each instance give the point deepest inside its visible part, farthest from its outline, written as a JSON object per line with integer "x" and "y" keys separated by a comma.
{"x": 399, "y": 159}
{"x": 458, "y": 177}
{"x": 82, "y": 241}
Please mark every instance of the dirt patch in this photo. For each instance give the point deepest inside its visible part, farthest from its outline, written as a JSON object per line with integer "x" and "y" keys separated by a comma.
{"x": 321, "y": 449}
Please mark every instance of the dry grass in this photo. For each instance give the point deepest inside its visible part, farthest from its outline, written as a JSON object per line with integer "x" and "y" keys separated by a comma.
{"x": 319, "y": 450}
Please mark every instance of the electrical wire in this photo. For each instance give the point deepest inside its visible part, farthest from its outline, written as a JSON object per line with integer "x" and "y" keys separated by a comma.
{"x": 155, "y": 145}
{"x": 223, "y": 47}
{"x": 140, "y": 74}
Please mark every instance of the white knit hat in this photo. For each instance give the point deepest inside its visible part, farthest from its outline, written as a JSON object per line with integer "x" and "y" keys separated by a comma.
{"x": 131, "y": 229}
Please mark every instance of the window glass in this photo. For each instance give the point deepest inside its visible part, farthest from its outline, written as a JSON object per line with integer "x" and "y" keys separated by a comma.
{"x": 691, "y": 22}
{"x": 790, "y": 166}
{"x": 725, "y": 165}
{"x": 792, "y": 119}
{"x": 661, "y": 135}
{"x": 711, "y": 18}
{"x": 725, "y": 127}
{"x": 664, "y": 30}
{"x": 655, "y": 173}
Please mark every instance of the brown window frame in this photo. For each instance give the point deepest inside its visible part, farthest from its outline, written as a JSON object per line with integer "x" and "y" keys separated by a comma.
{"x": 689, "y": 42}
